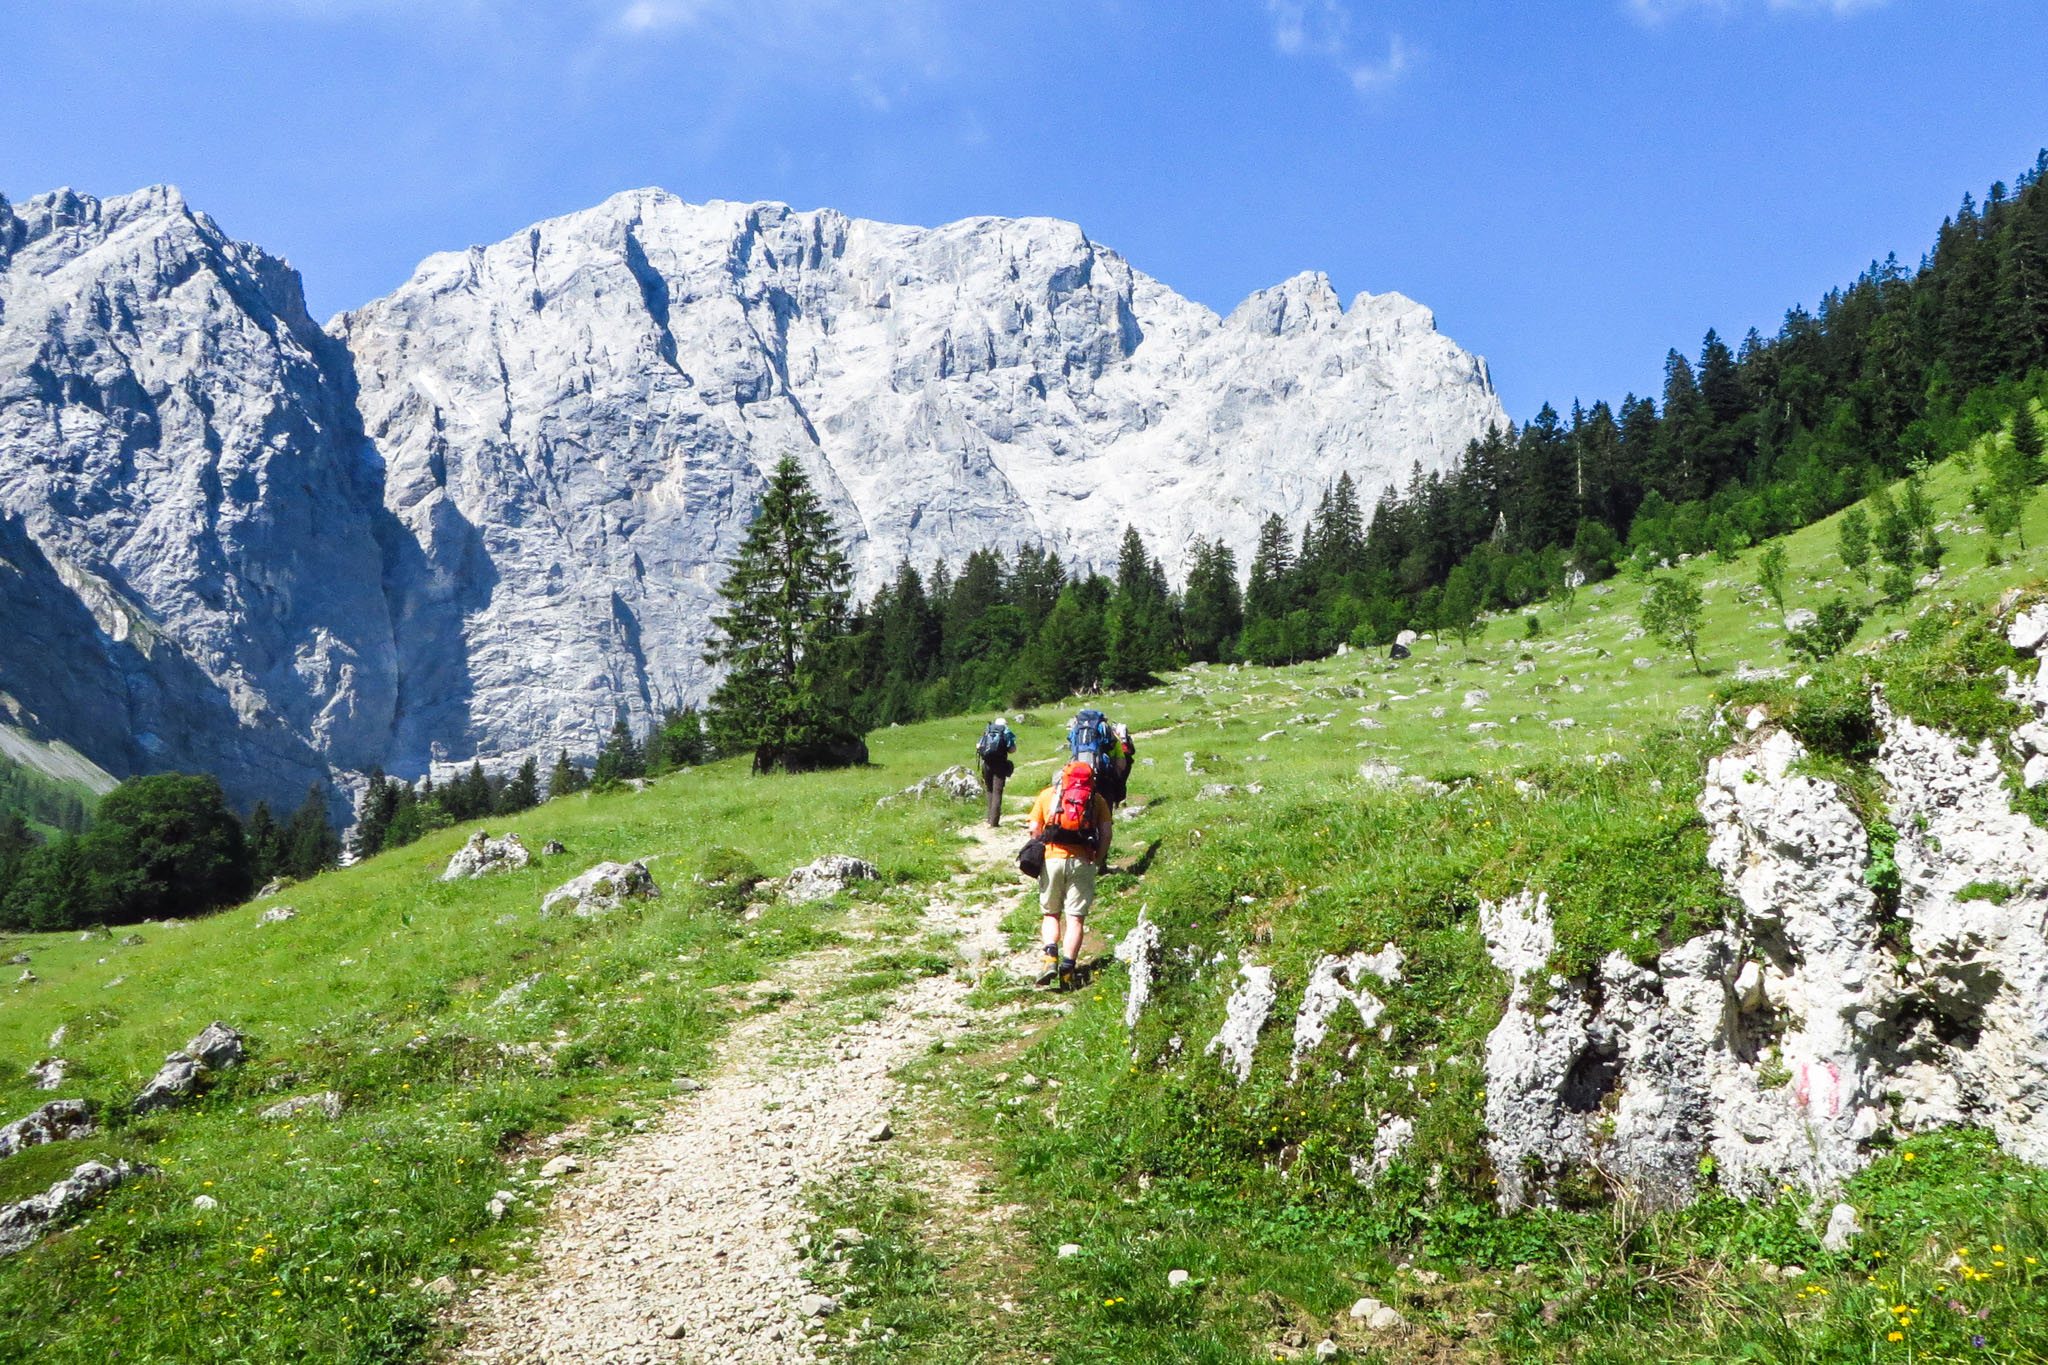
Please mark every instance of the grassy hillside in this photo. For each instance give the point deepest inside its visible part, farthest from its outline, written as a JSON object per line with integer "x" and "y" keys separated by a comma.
{"x": 405, "y": 995}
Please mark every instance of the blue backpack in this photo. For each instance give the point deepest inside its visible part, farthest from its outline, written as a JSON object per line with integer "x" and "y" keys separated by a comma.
{"x": 995, "y": 742}
{"x": 1089, "y": 738}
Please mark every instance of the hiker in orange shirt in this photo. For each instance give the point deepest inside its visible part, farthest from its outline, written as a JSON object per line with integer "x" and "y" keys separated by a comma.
{"x": 1075, "y": 825}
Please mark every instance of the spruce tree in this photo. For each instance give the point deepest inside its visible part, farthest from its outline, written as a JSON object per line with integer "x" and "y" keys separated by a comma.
{"x": 264, "y": 843}
{"x": 619, "y": 760}
{"x": 1214, "y": 611}
{"x": 779, "y": 637}
{"x": 1270, "y": 594}
{"x": 1852, "y": 542}
{"x": 310, "y": 843}
{"x": 565, "y": 778}
{"x": 1139, "y": 621}
{"x": 523, "y": 791}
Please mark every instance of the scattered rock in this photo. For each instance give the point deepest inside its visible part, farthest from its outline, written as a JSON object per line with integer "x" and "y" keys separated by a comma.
{"x": 1139, "y": 952}
{"x": 1069, "y": 1249}
{"x": 442, "y": 1287}
{"x": 327, "y": 1104}
{"x": 483, "y": 855}
{"x": 18, "y": 960}
{"x": 2029, "y": 629}
{"x": 131, "y": 940}
{"x": 502, "y": 1202}
{"x": 881, "y": 1132}
{"x": 1364, "y": 1309}
{"x": 1476, "y": 698}
{"x": 27, "y": 978}
{"x": 559, "y": 1167}
{"x": 1326, "y": 1349}
{"x": 818, "y": 1305}
{"x": 1244, "y": 1016}
{"x": 277, "y": 914}
{"x": 955, "y": 783}
{"x": 552, "y": 849}
{"x": 23, "y": 1224}
{"x": 1844, "y": 1227}
{"x": 826, "y": 877}
{"x": 1384, "y": 1319}
{"x": 272, "y": 887}
{"x": 602, "y": 889}
{"x": 1215, "y": 791}
{"x": 57, "y": 1121}
{"x": 49, "y": 1073}
{"x": 204, "y": 1202}
{"x": 1176, "y": 1278}
{"x": 215, "y": 1048}
{"x": 515, "y": 992}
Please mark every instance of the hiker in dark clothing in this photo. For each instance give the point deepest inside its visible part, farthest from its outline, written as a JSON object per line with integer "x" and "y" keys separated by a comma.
{"x": 994, "y": 748}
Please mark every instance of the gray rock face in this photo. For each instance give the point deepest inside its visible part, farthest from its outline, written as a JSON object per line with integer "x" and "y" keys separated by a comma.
{"x": 486, "y": 514}
{"x": 190, "y": 562}
{"x": 602, "y": 889}
{"x": 56, "y": 1121}
{"x": 22, "y": 1225}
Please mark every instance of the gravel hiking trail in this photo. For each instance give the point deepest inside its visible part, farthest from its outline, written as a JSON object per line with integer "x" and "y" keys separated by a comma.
{"x": 679, "y": 1244}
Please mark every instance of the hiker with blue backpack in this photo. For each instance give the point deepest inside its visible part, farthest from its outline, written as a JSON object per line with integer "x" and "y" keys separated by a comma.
{"x": 993, "y": 750}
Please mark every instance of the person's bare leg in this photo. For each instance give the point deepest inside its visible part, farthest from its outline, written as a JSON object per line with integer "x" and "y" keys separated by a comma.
{"x": 1070, "y": 942}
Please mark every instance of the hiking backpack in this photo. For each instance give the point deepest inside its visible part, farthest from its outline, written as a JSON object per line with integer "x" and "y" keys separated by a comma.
{"x": 1089, "y": 738}
{"x": 994, "y": 741}
{"x": 1072, "y": 821}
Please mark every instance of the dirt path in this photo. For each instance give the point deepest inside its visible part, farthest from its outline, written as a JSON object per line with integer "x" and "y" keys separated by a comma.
{"x": 680, "y": 1245}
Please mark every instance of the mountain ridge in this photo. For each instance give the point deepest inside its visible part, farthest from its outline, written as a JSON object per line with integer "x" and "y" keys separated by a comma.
{"x": 521, "y": 471}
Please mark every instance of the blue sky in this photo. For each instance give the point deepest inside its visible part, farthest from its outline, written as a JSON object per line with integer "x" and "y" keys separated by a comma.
{"x": 1574, "y": 185}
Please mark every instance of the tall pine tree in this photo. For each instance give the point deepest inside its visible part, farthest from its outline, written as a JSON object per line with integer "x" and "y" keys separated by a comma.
{"x": 779, "y": 634}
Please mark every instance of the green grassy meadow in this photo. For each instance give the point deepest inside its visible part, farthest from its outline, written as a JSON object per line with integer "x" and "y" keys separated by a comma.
{"x": 1576, "y": 771}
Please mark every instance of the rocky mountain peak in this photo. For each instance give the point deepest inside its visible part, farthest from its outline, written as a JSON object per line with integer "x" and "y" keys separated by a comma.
{"x": 486, "y": 514}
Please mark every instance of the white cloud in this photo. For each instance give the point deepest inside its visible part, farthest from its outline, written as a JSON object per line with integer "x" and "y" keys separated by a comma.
{"x": 1321, "y": 30}
{"x": 1376, "y": 75}
{"x": 1661, "y": 11}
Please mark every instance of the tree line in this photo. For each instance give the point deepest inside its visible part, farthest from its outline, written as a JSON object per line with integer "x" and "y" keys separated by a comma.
{"x": 1743, "y": 443}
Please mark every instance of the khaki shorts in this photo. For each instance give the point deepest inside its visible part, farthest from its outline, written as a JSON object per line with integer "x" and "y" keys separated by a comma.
{"x": 1067, "y": 887}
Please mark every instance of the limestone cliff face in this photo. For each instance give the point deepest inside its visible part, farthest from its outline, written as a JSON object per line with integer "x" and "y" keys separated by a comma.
{"x": 487, "y": 514}
{"x": 190, "y": 574}
{"x": 575, "y": 423}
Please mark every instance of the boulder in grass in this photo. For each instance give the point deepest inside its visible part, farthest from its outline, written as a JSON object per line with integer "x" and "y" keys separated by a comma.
{"x": 57, "y": 1121}
{"x": 277, "y": 914}
{"x": 602, "y": 889}
{"x": 552, "y": 849}
{"x": 22, "y": 1225}
{"x": 327, "y": 1104}
{"x": 956, "y": 783}
{"x": 216, "y": 1048}
{"x": 483, "y": 855}
{"x": 826, "y": 877}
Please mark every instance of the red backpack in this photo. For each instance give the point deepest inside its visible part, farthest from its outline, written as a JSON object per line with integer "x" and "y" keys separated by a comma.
{"x": 1072, "y": 822}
